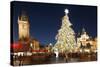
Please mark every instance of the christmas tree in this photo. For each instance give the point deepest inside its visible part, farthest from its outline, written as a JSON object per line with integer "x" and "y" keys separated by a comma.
{"x": 66, "y": 36}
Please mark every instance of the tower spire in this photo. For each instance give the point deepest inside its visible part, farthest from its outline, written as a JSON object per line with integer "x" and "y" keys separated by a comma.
{"x": 83, "y": 30}
{"x": 23, "y": 16}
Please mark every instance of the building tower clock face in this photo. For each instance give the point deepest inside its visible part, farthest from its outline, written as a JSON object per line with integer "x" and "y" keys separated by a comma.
{"x": 24, "y": 18}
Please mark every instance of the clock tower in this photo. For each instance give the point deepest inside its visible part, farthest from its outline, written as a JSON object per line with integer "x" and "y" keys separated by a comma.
{"x": 23, "y": 26}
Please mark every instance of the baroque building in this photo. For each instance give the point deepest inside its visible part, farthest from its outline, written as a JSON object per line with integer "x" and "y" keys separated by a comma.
{"x": 34, "y": 44}
{"x": 84, "y": 41}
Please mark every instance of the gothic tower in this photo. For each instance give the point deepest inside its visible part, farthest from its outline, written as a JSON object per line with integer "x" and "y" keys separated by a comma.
{"x": 23, "y": 26}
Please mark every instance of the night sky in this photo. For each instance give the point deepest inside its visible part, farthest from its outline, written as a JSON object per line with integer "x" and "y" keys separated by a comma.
{"x": 45, "y": 19}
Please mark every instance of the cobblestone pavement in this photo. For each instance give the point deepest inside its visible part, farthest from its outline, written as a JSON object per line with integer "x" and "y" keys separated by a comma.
{"x": 53, "y": 60}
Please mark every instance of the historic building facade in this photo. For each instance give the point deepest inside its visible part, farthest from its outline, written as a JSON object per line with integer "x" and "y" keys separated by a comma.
{"x": 84, "y": 41}
{"x": 25, "y": 39}
{"x": 23, "y": 26}
{"x": 35, "y": 45}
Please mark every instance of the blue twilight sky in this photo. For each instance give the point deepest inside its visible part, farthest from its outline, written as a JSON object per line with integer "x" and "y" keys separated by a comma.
{"x": 45, "y": 19}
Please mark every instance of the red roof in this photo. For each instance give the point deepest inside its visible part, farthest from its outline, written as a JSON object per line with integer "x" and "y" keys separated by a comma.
{"x": 40, "y": 50}
{"x": 16, "y": 45}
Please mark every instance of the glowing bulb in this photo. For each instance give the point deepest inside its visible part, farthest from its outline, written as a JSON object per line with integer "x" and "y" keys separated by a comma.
{"x": 66, "y": 11}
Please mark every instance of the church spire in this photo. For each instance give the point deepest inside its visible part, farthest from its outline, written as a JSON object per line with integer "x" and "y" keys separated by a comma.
{"x": 83, "y": 30}
{"x": 23, "y": 16}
